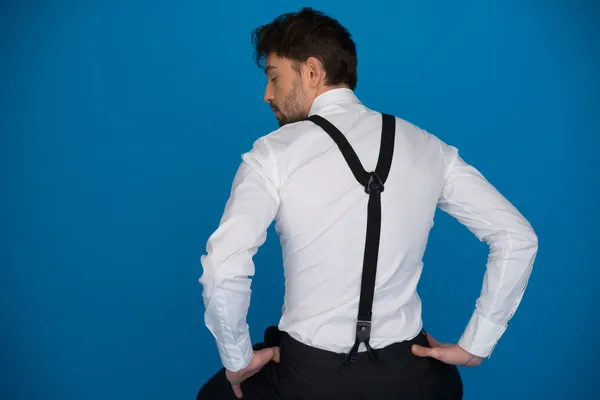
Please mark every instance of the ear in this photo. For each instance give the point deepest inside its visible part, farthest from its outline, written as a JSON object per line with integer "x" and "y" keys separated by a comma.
{"x": 315, "y": 72}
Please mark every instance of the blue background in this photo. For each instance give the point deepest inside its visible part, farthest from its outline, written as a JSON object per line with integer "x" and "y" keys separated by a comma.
{"x": 123, "y": 122}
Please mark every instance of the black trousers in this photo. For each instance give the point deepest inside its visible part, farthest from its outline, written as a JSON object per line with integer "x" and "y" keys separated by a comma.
{"x": 307, "y": 373}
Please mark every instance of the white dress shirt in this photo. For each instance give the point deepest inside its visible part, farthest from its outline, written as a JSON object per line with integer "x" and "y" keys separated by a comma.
{"x": 297, "y": 177}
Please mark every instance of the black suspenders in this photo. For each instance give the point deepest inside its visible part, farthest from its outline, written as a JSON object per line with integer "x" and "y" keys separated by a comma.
{"x": 374, "y": 185}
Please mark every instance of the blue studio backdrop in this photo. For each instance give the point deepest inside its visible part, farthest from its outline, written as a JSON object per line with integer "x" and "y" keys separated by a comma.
{"x": 122, "y": 124}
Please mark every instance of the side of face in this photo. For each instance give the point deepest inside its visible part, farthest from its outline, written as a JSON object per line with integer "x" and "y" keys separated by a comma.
{"x": 287, "y": 91}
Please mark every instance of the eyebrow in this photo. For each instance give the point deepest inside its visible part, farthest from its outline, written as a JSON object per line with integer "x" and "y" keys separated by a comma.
{"x": 268, "y": 68}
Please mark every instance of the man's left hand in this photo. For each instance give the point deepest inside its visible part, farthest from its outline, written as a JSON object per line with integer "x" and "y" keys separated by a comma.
{"x": 448, "y": 353}
{"x": 260, "y": 358}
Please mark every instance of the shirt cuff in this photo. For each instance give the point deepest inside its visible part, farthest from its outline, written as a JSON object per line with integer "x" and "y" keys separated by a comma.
{"x": 481, "y": 336}
{"x": 236, "y": 356}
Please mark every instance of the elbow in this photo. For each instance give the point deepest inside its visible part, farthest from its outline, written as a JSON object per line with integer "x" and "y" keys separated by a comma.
{"x": 532, "y": 240}
{"x": 528, "y": 247}
{"x": 206, "y": 274}
{"x": 522, "y": 239}
{"x": 207, "y": 278}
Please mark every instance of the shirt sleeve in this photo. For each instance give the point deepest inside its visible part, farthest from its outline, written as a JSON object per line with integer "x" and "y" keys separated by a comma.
{"x": 512, "y": 242}
{"x": 227, "y": 264}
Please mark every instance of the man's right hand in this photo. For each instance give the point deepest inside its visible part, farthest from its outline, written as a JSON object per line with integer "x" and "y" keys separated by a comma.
{"x": 446, "y": 352}
{"x": 260, "y": 358}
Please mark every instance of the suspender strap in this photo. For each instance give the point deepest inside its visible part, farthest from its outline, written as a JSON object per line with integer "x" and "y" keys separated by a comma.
{"x": 373, "y": 183}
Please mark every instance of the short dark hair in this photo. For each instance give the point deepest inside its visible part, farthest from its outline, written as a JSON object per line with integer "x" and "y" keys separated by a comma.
{"x": 309, "y": 33}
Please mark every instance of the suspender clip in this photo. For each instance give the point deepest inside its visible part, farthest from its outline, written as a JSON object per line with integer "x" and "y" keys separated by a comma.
{"x": 363, "y": 335}
{"x": 363, "y": 331}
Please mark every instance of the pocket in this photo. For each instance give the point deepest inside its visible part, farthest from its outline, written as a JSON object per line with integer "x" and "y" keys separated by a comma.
{"x": 272, "y": 336}
{"x": 419, "y": 373}
{"x": 421, "y": 339}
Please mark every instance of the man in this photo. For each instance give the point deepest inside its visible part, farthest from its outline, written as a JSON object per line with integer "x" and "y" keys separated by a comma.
{"x": 334, "y": 171}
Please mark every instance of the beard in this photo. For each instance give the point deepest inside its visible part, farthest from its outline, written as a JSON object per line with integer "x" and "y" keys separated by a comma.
{"x": 293, "y": 105}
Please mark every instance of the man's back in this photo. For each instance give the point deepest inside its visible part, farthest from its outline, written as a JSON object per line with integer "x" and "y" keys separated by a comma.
{"x": 346, "y": 241}
{"x": 322, "y": 221}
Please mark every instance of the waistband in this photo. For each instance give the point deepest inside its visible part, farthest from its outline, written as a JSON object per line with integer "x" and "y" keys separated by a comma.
{"x": 292, "y": 349}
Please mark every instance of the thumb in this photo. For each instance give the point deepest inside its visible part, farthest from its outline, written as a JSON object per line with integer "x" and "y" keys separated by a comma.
{"x": 276, "y": 354}
{"x": 422, "y": 351}
{"x": 237, "y": 390}
{"x": 268, "y": 354}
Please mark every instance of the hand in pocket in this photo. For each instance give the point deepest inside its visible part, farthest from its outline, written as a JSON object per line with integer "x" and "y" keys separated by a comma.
{"x": 448, "y": 353}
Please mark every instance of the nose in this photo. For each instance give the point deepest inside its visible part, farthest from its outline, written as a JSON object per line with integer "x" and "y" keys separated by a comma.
{"x": 269, "y": 95}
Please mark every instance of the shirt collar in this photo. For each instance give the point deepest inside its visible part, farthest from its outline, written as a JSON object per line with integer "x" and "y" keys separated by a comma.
{"x": 333, "y": 96}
